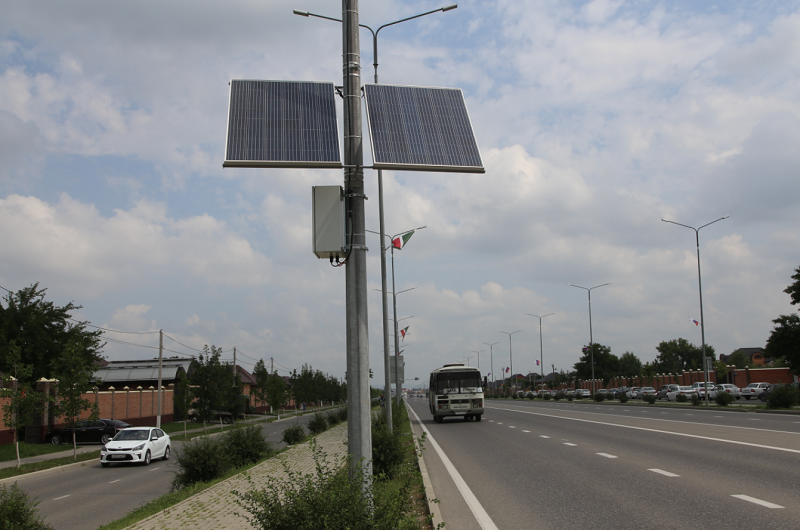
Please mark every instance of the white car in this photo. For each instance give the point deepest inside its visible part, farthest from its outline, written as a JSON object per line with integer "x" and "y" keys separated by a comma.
{"x": 733, "y": 390}
{"x": 754, "y": 390}
{"x": 687, "y": 391}
{"x": 583, "y": 392}
{"x": 136, "y": 445}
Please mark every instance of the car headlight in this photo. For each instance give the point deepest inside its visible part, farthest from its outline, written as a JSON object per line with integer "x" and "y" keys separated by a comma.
{"x": 139, "y": 447}
{"x": 103, "y": 449}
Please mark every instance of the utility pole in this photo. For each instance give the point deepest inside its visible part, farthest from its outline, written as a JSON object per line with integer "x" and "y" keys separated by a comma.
{"x": 359, "y": 435}
{"x": 234, "y": 365}
{"x": 160, "y": 357}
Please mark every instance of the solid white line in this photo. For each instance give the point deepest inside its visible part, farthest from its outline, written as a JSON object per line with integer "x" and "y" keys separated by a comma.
{"x": 113, "y": 481}
{"x": 477, "y": 510}
{"x": 606, "y": 455}
{"x": 59, "y": 498}
{"x": 571, "y": 445}
{"x": 757, "y": 501}
{"x": 665, "y": 473}
{"x": 685, "y": 435}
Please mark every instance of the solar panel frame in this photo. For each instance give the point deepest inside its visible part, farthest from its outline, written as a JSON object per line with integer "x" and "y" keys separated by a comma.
{"x": 421, "y": 129}
{"x": 282, "y": 124}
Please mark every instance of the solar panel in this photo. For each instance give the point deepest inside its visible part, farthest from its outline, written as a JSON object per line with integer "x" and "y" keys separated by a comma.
{"x": 421, "y": 129}
{"x": 282, "y": 124}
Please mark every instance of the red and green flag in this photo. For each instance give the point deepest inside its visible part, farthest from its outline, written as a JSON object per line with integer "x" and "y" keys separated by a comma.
{"x": 400, "y": 241}
{"x": 404, "y": 331}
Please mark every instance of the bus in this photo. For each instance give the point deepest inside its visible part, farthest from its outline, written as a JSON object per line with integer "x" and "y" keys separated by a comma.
{"x": 455, "y": 390}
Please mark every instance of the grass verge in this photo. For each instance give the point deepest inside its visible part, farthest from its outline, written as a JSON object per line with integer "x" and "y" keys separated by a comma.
{"x": 9, "y": 452}
{"x": 47, "y": 464}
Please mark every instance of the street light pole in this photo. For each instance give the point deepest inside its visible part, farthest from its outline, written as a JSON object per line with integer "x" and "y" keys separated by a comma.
{"x": 541, "y": 348}
{"x": 591, "y": 343}
{"x": 700, "y": 290}
{"x": 510, "y": 357}
{"x": 478, "y": 353}
{"x": 491, "y": 364}
{"x": 467, "y": 358}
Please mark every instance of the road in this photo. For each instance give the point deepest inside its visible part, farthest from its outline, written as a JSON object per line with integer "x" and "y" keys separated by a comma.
{"x": 86, "y": 495}
{"x": 584, "y": 465}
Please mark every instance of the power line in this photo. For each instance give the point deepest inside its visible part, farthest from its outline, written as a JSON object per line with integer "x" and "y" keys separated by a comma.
{"x": 114, "y": 330}
{"x": 182, "y": 344}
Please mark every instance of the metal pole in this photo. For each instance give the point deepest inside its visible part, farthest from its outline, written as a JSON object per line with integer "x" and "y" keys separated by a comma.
{"x": 591, "y": 339}
{"x": 396, "y": 333}
{"x": 510, "y": 357}
{"x": 359, "y": 436}
{"x": 160, "y": 357}
{"x": 541, "y": 349}
{"x": 491, "y": 360}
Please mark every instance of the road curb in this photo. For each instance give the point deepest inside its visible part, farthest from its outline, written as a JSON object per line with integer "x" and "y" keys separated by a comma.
{"x": 430, "y": 497}
{"x": 663, "y": 406}
{"x": 35, "y": 473}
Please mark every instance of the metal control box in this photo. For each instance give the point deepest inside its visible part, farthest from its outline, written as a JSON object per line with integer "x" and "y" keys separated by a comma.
{"x": 328, "y": 222}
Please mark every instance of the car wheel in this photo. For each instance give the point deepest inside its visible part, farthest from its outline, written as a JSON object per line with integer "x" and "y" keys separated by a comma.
{"x": 56, "y": 439}
{"x": 146, "y": 460}
{"x": 104, "y": 464}
{"x": 166, "y": 453}
{"x": 105, "y": 439}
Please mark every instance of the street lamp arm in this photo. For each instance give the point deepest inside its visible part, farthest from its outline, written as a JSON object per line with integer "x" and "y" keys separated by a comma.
{"x": 712, "y": 222}
{"x": 442, "y": 9}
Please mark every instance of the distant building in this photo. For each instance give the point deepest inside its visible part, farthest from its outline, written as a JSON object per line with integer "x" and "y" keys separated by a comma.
{"x": 755, "y": 356}
{"x": 144, "y": 373}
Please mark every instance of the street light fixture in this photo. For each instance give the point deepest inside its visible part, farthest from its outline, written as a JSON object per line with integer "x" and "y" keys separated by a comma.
{"x": 510, "y": 357}
{"x": 491, "y": 364}
{"x": 541, "y": 348}
{"x": 700, "y": 290}
{"x": 468, "y": 358}
{"x": 380, "y": 200}
{"x": 591, "y": 344}
{"x": 478, "y": 353}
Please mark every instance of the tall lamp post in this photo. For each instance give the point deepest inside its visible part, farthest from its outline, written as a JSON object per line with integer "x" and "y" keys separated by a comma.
{"x": 387, "y": 375}
{"x": 491, "y": 364}
{"x": 510, "y": 357}
{"x": 541, "y": 348}
{"x": 478, "y": 353}
{"x": 468, "y": 358}
{"x": 700, "y": 290}
{"x": 591, "y": 343}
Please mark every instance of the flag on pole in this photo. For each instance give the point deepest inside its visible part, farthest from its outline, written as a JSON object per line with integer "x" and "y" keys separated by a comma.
{"x": 490, "y": 373}
{"x": 404, "y": 331}
{"x": 696, "y": 323}
{"x": 537, "y": 362}
{"x": 507, "y": 369}
{"x": 400, "y": 242}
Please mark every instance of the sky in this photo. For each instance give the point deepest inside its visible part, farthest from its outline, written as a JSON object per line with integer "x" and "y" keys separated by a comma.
{"x": 595, "y": 121}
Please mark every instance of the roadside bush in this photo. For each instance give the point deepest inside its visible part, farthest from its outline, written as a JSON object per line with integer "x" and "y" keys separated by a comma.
{"x": 724, "y": 399}
{"x": 784, "y": 397}
{"x": 570, "y": 397}
{"x": 294, "y": 434}
{"x": 246, "y": 446}
{"x": 18, "y": 510}
{"x": 559, "y": 395}
{"x": 547, "y": 397}
{"x": 622, "y": 397}
{"x": 531, "y": 395}
{"x": 599, "y": 397}
{"x": 681, "y": 398}
{"x": 342, "y": 414}
{"x": 333, "y": 418}
{"x": 695, "y": 400}
{"x": 578, "y": 395}
{"x": 513, "y": 396}
{"x": 650, "y": 399}
{"x": 318, "y": 424}
{"x": 387, "y": 447}
{"x": 200, "y": 460}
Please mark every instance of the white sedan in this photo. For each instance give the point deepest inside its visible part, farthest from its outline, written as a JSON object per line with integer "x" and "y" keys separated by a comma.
{"x": 136, "y": 445}
{"x": 687, "y": 391}
{"x": 733, "y": 390}
{"x": 754, "y": 390}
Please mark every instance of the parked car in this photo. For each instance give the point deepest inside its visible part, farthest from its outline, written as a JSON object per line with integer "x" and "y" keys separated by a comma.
{"x": 764, "y": 396}
{"x": 647, "y": 391}
{"x": 754, "y": 390}
{"x": 584, "y": 392}
{"x": 662, "y": 392}
{"x": 570, "y": 391}
{"x": 99, "y": 431}
{"x": 603, "y": 391}
{"x": 612, "y": 393}
{"x": 687, "y": 391}
{"x": 136, "y": 445}
{"x": 701, "y": 388}
{"x": 733, "y": 390}
{"x": 633, "y": 393}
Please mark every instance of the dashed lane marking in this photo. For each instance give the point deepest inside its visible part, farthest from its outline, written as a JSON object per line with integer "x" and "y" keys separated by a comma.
{"x": 525, "y": 431}
{"x": 113, "y": 481}
{"x": 757, "y": 501}
{"x": 511, "y": 427}
{"x": 569, "y": 444}
{"x": 606, "y": 455}
{"x": 662, "y": 472}
{"x": 543, "y": 436}
{"x": 155, "y": 469}
{"x": 59, "y": 498}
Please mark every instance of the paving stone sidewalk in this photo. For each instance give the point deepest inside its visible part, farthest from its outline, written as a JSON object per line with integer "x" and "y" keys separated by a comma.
{"x": 216, "y": 508}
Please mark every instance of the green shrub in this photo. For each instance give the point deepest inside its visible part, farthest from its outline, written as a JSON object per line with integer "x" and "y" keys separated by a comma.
{"x": 246, "y": 446}
{"x": 784, "y": 397}
{"x": 513, "y": 396}
{"x": 723, "y": 398}
{"x": 200, "y": 460}
{"x": 318, "y": 423}
{"x": 531, "y": 395}
{"x": 387, "y": 447}
{"x": 695, "y": 399}
{"x": 294, "y": 434}
{"x": 548, "y": 397}
{"x": 342, "y": 414}
{"x": 18, "y": 511}
{"x": 570, "y": 397}
{"x": 599, "y": 397}
{"x": 622, "y": 397}
{"x": 681, "y": 398}
{"x": 578, "y": 395}
{"x": 333, "y": 418}
{"x": 650, "y": 399}
{"x": 560, "y": 395}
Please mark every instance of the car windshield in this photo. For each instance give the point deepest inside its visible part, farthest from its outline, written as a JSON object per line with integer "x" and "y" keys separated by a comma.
{"x": 131, "y": 435}
{"x": 752, "y": 385}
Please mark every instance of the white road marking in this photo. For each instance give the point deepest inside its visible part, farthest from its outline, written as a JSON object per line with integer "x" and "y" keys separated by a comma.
{"x": 571, "y": 445}
{"x": 155, "y": 469}
{"x": 606, "y": 455}
{"x": 113, "y": 481}
{"x": 665, "y": 473}
{"x": 511, "y": 427}
{"x": 717, "y": 416}
{"x": 59, "y": 498}
{"x": 757, "y": 501}
{"x": 480, "y": 514}
{"x": 525, "y": 431}
{"x": 543, "y": 436}
{"x": 755, "y": 419}
{"x": 499, "y": 423}
{"x": 685, "y": 435}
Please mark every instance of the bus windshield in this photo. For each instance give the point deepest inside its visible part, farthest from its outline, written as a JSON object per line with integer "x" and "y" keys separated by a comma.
{"x": 458, "y": 382}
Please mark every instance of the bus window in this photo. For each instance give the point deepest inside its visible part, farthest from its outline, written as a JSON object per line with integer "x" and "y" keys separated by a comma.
{"x": 470, "y": 382}
{"x": 447, "y": 382}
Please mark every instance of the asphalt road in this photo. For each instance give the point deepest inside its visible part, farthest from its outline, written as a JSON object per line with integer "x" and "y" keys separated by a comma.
{"x": 583, "y": 465}
{"x": 85, "y": 495}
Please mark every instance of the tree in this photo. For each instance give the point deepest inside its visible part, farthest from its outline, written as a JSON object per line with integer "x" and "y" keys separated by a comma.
{"x": 42, "y": 330}
{"x": 680, "y": 354}
{"x": 739, "y": 359}
{"x": 18, "y": 390}
{"x": 606, "y": 364}
{"x": 303, "y": 385}
{"x": 75, "y": 374}
{"x": 784, "y": 340}
{"x": 182, "y": 400}
{"x": 216, "y": 387}
{"x": 794, "y": 289}
{"x": 629, "y": 365}
{"x": 275, "y": 391}
{"x": 262, "y": 377}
